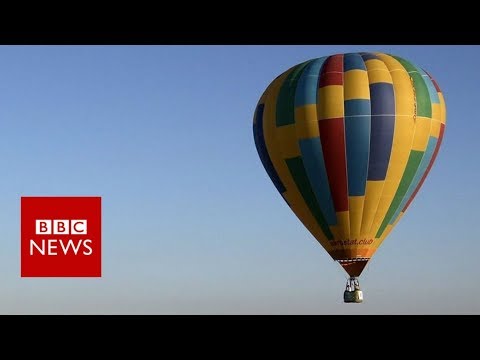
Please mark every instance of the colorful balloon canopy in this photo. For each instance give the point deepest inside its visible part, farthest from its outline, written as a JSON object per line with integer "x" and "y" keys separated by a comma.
{"x": 348, "y": 140}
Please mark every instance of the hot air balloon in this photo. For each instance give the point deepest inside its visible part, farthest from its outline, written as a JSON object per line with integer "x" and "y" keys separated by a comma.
{"x": 348, "y": 141}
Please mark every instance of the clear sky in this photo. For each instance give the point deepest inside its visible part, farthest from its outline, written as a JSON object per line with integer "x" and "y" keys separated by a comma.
{"x": 191, "y": 222}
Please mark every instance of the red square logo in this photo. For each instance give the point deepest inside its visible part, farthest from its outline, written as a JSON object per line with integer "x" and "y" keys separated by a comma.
{"x": 61, "y": 236}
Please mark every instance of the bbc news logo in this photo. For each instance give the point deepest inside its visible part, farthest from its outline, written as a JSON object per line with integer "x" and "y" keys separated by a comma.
{"x": 61, "y": 236}
{"x": 61, "y": 227}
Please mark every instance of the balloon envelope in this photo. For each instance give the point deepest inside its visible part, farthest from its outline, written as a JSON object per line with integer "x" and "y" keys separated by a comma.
{"x": 348, "y": 140}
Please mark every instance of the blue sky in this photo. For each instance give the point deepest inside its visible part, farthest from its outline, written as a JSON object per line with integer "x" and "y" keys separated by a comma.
{"x": 191, "y": 222}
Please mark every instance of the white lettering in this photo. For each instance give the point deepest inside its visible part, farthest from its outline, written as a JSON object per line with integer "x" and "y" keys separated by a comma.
{"x": 87, "y": 246}
{"x": 43, "y": 227}
{"x": 61, "y": 227}
{"x": 70, "y": 243}
{"x": 33, "y": 244}
{"x": 52, "y": 246}
{"x": 78, "y": 227}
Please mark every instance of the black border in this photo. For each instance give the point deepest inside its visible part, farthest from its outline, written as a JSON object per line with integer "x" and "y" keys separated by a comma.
{"x": 237, "y": 36}
{"x": 242, "y": 23}
{"x": 325, "y": 335}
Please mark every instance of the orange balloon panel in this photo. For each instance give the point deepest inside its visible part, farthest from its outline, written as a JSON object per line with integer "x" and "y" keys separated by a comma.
{"x": 348, "y": 140}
